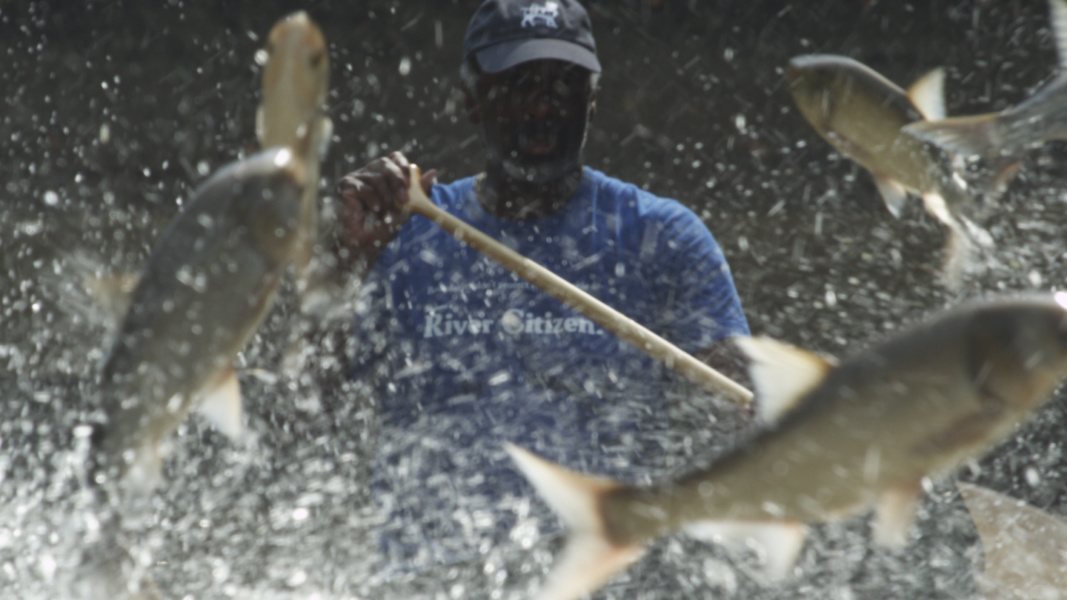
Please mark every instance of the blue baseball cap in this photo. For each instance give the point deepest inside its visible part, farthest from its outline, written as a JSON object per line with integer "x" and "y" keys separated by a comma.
{"x": 505, "y": 33}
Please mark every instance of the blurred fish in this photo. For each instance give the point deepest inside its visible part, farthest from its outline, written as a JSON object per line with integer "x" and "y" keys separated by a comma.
{"x": 1003, "y": 137}
{"x": 849, "y": 437}
{"x": 213, "y": 275}
{"x": 861, "y": 114}
{"x": 295, "y": 84}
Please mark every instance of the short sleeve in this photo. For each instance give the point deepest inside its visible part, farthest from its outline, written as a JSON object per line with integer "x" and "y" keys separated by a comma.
{"x": 694, "y": 286}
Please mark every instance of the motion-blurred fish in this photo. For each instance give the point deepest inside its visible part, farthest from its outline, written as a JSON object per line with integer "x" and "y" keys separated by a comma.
{"x": 1004, "y": 137}
{"x": 212, "y": 276}
{"x": 861, "y": 114}
{"x": 849, "y": 437}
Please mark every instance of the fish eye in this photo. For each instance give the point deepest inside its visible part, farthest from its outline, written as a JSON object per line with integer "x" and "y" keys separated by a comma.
{"x": 316, "y": 59}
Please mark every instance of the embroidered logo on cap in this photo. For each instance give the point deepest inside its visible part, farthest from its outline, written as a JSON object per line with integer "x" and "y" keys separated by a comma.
{"x": 545, "y": 14}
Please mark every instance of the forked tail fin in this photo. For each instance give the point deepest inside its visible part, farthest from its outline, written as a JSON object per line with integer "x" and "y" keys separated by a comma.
{"x": 977, "y": 135}
{"x": 590, "y": 558}
{"x": 970, "y": 135}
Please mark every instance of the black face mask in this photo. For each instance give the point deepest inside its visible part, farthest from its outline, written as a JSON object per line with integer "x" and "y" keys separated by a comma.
{"x": 534, "y": 118}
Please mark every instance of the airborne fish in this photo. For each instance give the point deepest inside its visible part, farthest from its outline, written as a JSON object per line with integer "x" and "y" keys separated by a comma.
{"x": 1003, "y": 137}
{"x": 861, "y": 114}
{"x": 843, "y": 439}
{"x": 212, "y": 276}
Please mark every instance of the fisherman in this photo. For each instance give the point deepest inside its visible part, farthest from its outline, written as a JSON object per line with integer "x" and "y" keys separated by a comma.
{"x": 462, "y": 356}
{"x": 465, "y": 355}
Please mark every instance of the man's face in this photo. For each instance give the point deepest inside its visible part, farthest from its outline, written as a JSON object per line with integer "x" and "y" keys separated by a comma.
{"x": 534, "y": 118}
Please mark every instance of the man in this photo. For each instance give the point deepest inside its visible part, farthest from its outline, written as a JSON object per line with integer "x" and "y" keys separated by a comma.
{"x": 464, "y": 355}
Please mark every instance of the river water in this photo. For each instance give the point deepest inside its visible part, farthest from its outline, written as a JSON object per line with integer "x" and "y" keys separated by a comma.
{"x": 114, "y": 111}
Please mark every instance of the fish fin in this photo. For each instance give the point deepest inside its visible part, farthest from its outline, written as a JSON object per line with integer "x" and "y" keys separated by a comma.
{"x": 960, "y": 239}
{"x": 1023, "y": 546}
{"x": 586, "y": 563}
{"x": 589, "y": 558}
{"x": 1058, "y": 20}
{"x": 325, "y": 133}
{"x": 221, "y": 404}
{"x": 778, "y": 543}
{"x": 956, "y": 256}
{"x": 971, "y": 135}
{"x": 938, "y": 209}
{"x": 145, "y": 470}
{"x": 928, "y": 95}
{"x": 112, "y": 291}
{"x": 260, "y": 124}
{"x": 782, "y": 374}
{"x": 977, "y": 233}
{"x": 1003, "y": 172}
{"x": 894, "y": 514}
{"x": 304, "y": 248}
{"x": 893, "y": 194}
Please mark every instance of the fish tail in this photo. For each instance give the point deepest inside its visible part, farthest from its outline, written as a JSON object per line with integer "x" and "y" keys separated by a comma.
{"x": 1001, "y": 172}
{"x": 110, "y": 568}
{"x": 962, "y": 241}
{"x": 978, "y": 135}
{"x": 590, "y": 557}
{"x": 956, "y": 255}
{"x": 970, "y": 135}
{"x": 108, "y": 466}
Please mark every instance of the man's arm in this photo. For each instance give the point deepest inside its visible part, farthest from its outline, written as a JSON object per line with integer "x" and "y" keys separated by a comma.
{"x": 371, "y": 210}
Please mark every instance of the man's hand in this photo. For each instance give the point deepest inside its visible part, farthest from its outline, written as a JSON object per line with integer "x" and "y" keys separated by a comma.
{"x": 372, "y": 200}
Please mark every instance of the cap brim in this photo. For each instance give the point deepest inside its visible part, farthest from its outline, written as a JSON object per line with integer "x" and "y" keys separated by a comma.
{"x": 499, "y": 57}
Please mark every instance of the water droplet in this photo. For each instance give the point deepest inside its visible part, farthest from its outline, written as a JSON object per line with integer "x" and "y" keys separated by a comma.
{"x": 297, "y": 579}
{"x": 1033, "y": 477}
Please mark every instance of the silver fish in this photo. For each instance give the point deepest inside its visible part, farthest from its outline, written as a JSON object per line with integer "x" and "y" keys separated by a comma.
{"x": 862, "y": 114}
{"x": 844, "y": 438}
{"x": 213, "y": 275}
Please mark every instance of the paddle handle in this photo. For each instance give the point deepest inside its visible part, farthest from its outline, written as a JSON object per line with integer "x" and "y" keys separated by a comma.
{"x": 564, "y": 291}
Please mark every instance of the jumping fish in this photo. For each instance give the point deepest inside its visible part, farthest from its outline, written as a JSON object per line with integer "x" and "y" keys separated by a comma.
{"x": 862, "y": 114}
{"x": 842, "y": 438}
{"x": 213, "y": 275}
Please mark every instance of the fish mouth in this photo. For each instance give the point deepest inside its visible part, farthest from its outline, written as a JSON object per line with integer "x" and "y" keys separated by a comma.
{"x": 796, "y": 69}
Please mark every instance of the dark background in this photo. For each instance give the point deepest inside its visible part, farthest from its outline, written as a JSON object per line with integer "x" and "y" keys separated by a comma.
{"x": 692, "y": 106}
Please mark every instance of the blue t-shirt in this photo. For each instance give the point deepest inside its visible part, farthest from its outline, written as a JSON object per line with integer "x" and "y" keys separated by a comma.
{"x": 464, "y": 355}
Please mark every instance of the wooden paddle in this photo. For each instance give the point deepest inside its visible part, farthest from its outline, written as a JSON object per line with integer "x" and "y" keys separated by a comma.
{"x": 607, "y": 317}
